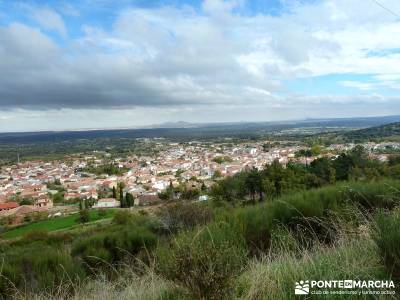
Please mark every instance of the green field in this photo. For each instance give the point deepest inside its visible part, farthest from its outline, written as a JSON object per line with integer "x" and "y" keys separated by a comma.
{"x": 55, "y": 224}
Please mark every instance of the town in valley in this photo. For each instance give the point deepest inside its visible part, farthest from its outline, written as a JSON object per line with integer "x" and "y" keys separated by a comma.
{"x": 56, "y": 187}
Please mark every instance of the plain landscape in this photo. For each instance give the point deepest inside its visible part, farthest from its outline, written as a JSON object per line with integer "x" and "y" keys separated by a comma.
{"x": 211, "y": 217}
{"x": 199, "y": 149}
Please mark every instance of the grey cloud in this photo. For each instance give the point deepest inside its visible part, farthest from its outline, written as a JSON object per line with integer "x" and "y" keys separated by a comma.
{"x": 25, "y": 47}
{"x": 163, "y": 57}
{"x": 295, "y": 45}
{"x": 190, "y": 61}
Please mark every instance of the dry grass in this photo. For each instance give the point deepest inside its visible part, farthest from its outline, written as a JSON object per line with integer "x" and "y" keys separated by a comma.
{"x": 128, "y": 287}
{"x": 274, "y": 277}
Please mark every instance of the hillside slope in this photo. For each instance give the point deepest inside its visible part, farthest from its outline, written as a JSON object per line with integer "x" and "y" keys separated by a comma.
{"x": 391, "y": 130}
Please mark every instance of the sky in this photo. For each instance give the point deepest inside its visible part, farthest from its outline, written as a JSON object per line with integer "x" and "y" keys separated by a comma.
{"x": 130, "y": 63}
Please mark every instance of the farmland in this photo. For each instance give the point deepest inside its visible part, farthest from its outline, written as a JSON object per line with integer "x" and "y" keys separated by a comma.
{"x": 55, "y": 224}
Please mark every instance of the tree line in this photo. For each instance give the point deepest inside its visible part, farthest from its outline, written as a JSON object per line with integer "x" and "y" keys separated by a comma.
{"x": 276, "y": 179}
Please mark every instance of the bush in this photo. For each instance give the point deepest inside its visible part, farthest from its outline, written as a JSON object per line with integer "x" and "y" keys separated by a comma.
{"x": 122, "y": 217}
{"x": 387, "y": 237}
{"x": 205, "y": 260}
{"x": 143, "y": 212}
{"x": 84, "y": 216}
{"x": 282, "y": 241}
{"x": 60, "y": 238}
{"x": 37, "y": 269}
{"x": 102, "y": 213}
{"x": 253, "y": 224}
{"x": 183, "y": 216}
{"x": 128, "y": 286}
{"x": 36, "y": 235}
{"x": 274, "y": 277}
{"x": 26, "y": 201}
{"x": 309, "y": 211}
{"x": 380, "y": 194}
{"x": 297, "y": 211}
{"x": 126, "y": 218}
{"x": 112, "y": 247}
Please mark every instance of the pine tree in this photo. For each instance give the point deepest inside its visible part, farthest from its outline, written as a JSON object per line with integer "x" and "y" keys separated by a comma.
{"x": 121, "y": 192}
{"x": 114, "y": 192}
{"x": 129, "y": 200}
{"x": 122, "y": 202}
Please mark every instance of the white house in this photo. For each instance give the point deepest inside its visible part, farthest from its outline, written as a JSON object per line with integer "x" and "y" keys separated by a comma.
{"x": 203, "y": 198}
{"x": 160, "y": 185}
{"x": 253, "y": 151}
{"x": 106, "y": 203}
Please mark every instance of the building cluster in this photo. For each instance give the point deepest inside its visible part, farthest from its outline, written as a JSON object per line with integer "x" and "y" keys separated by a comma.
{"x": 144, "y": 176}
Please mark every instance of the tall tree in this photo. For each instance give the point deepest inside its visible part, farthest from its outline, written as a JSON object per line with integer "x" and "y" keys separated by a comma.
{"x": 121, "y": 192}
{"x": 253, "y": 184}
{"x": 129, "y": 199}
{"x": 122, "y": 202}
{"x": 84, "y": 216}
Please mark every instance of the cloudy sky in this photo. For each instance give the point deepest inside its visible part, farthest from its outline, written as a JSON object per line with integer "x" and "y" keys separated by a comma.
{"x": 107, "y": 64}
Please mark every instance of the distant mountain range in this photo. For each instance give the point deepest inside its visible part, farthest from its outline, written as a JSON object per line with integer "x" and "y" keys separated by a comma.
{"x": 346, "y": 122}
{"x": 212, "y": 130}
{"x": 179, "y": 124}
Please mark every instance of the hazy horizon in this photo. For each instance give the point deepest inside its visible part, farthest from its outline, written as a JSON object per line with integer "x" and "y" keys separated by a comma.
{"x": 180, "y": 123}
{"x": 98, "y": 64}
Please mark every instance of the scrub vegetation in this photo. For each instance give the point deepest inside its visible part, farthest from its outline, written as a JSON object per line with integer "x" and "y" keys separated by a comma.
{"x": 252, "y": 251}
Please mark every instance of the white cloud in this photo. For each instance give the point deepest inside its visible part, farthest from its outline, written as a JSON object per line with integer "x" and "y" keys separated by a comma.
{"x": 364, "y": 86}
{"x": 180, "y": 58}
{"x": 221, "y": 6}
{"x": 69, "y": 10}
{"x": 50, "y": 20}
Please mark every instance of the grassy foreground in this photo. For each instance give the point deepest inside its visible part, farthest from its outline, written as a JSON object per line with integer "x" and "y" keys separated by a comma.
{"x": 198, "y": 251}
{"x": 270, "y": 277}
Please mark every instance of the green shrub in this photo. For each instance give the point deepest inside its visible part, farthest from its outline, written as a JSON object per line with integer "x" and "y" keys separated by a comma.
{"x": 299, "y": 211}
{"x": 126, "y": 218}
{"x": 205, "y": 261}
{"x": 57, "y": 239}
{"x": 387, "y": 237}
{"x": 102, "y": 213}
{"x": 309, "y": 211}
{"x": 183, "y": 216}
{"x": 128, "y": 286}
{"x": 380, "y": 194}
{"x": 122, "y": 217}
{"x": 274, "y": 277}
{"x": 143, "y": 212}
{"x": 36, "y": 235}
{"x": 84, "y": 216}
{"x": 111, "y": 247}
{"x": 283, "y": 240}
{"x": 253, "y": 224}
{"x": 37, "y": 268}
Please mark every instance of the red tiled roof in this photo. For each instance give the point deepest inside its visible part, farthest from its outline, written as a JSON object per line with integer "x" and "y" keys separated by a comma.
{"x": 9, "y": 205}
